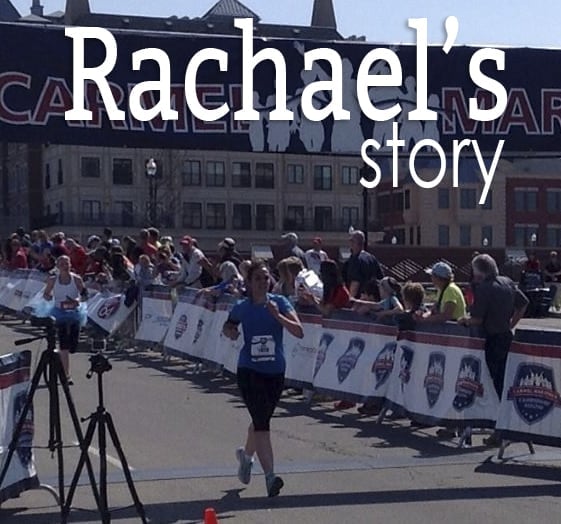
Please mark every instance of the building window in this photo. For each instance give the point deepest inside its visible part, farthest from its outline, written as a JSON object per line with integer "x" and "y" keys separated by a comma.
{"x": 397, "y": 201}
{"x": 443, "y": 198}
{"x": 59, "y": 173}
{"x": 264, "y": 176}
{"x": 192, "y": 215}
{"x": 553, "y": 201}
{"x": 241, "y": 218}
{"x": 523, "y": 234}
{"x": 295, "y": 173}
{"x": 216, "y": 216}
{"x": 122, "y": 171}
{"x": 349, "y": 176}
{"x": 407, "y": 199}
{"x": 91, "y": 211}
{"x": 350, "y": 217}
{"x": 91, "y": 167}
{"x": 241, "y": 174}
{"x": 265, "y": 217}
{"x": 465, "y": 235}
{"x": 526, "y": 200}
{"x": 191, "y": 174}
{"x": 47, "y": 176}
{"x": 124, "y": 212}
{"x": 554, "y": 236}
{"x": 443, "y": 235}
{"x": 323, "y": 218}
{"x": 215, "y": 174}
{"x": 468, "y": 198}
{"x": 322, "y": 178}
{"x": 487, "y": 234}
{"x": 384, "y": 203}
{"x": 294, "y": 218}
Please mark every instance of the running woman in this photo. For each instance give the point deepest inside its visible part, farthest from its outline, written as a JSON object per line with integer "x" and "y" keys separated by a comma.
{"x": 261, "y": 367}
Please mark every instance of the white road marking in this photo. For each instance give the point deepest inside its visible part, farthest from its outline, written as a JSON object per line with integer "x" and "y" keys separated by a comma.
{"x": 111, "y": 460}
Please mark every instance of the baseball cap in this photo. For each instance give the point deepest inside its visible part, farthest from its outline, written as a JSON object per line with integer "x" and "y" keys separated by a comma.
{"x": 186, "y": 240}
{"x": 290, "y": 236}
{"x": 441, "y": 270}
{"x": 228, "y": 243}
{"x": 93, "y": 238}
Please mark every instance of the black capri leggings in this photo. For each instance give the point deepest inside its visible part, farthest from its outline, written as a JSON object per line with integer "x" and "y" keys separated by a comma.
{"x": 261, "y": 394}
{"x": 68, "y": 336}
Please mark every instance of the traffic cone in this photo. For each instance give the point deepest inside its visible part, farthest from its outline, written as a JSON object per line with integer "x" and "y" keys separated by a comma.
{"x": 210, "y": 516}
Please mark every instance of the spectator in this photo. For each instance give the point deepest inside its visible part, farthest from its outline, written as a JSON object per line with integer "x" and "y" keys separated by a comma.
{"x": 362, "y": 266}
{"x": 552, "y": 273}
{"x": 532, "y": 264}
{"x": 227, "y": 252}
{"x": 315, "y": 256}
{"x": 498, "y": 307}
{"x": 450, "y": 302}
{"x": 335, "y": 293}
{"x": 291, "y": 248}
{"x": 59, "y": 248}
{"x": 154, "y": 236}
{"x": 18, "y": 256}
{"x": 144, "y": 272}
{"x": 192, "y": 265}
{"x": 93, "y": 243}
{"x": 288, "y": 269}
{"x": 145, "y": 247}
{"x": 78, "y": 256}
{"x": 390, "y": 303}
{"x": 107, "y": 237}
{"x": 166, "y": 267}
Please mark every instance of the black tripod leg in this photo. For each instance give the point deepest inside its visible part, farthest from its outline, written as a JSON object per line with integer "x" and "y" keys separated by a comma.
{"x": 105, "y": 515}
{"x": 27, "y": 406}
{"x": 55, "y": 428}
{"x": 78, "y": 429}
{"x": 125, "y": 465}
{"x": 85, "y": 445}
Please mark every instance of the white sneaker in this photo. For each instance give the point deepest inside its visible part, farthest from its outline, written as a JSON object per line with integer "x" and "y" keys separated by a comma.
{"x": 245, "y": 465}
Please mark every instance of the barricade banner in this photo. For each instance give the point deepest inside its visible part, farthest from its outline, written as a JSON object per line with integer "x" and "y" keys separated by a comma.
{"x": 11, "y": 295}
{"x": 347, "y": 360}
{"x": 531, "y": 403}
{"x": 34, "y": 287}
{"x": 157, "y": 311}
{"x": 220, "y": 349}
{"x": 300, "y": 354}
{"x": 14, "y": 384}
{"x": 108, "y": 311}
{"x": 441, "y": 377}
{"x": 191, "y": 324}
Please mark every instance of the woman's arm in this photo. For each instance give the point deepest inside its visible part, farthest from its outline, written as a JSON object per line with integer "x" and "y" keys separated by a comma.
{"x": 288, "y": 320}
{"x": 48, "y": 293}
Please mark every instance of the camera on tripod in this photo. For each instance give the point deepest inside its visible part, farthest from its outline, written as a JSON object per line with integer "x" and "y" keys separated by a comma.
{"x": 99, "y": 364}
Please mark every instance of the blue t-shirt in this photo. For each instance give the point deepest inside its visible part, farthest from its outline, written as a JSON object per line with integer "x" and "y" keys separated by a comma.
{"x": 262, "y": 350}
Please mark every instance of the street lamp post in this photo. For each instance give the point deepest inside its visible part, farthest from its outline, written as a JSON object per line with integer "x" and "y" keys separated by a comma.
{"x": 365, "y": 215}
{"x": 394, "y": 240}
{"x": 485, "y": 242}
{"x": 151, "y": 171}
{"x": 533, "y": 239}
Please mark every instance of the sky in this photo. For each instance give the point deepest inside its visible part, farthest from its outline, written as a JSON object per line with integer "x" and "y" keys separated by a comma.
{"x": 482, "y": 22}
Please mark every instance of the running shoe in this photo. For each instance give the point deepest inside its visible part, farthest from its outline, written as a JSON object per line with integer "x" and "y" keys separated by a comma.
{"x": 274, "y": 485}
{"x": 245, "y": 465}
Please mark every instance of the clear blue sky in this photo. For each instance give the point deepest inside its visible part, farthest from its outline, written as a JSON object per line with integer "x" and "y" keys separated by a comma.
{"x": 508, "y": 22}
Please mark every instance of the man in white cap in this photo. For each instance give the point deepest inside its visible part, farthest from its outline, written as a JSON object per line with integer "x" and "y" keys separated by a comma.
{"x": 450, "y": 302}
{"x": 315, "y": 256}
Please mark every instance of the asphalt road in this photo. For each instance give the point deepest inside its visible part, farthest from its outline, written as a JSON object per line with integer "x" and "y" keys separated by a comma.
{"x": 179, "y": 431}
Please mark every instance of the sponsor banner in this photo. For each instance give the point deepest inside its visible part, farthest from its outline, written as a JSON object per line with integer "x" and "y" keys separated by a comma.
{"x": 300, "y": 354}
{"x": 348, "y": 350}
{"x": 440, "y": 376}
{"x": 220, "y": 349}
{"x": 531, "y": 402}
{"x": 108, "y": 311}
{"x": 14, "y": 384}
{"x": 156, "y": 315}
{"x": 191, "y": 324}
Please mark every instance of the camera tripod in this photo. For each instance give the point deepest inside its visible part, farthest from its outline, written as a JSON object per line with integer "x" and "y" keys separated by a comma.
{"x": 101, "y": 420}
{"x": 50, "y": 366}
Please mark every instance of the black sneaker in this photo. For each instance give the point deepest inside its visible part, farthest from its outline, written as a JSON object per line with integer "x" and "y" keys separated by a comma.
{"x": 274, "y": 486}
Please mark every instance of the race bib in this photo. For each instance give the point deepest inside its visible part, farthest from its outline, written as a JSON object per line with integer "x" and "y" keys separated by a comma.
{"x": 68, "y": 305}
{"x": 263, "y": 348}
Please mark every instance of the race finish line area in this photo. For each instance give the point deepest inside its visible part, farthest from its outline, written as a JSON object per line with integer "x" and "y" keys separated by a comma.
{"x": 179, "y": 428}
